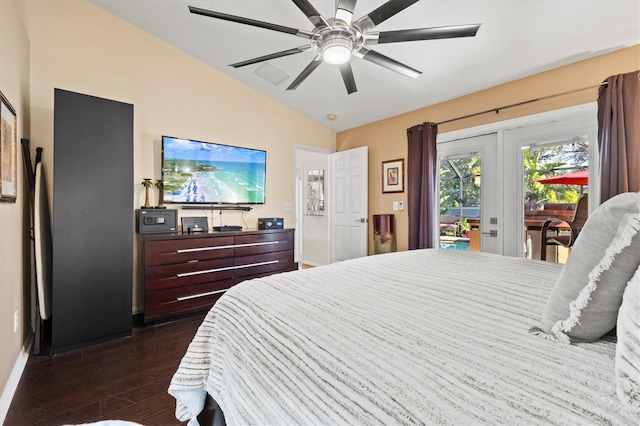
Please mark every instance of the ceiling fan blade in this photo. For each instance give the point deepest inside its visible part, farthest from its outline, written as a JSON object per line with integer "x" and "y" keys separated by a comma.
{"x": 386, "y": 62}
{"x": 252, "y": 22}
{"x": 344, "y": 11}
{"x": 305, "y": 73}
{"x": 347, "y": 76}
{"x": 381, "y": 14}
{"x": 314, "y": 16}
{"x": 424, "y": 34}
{"x": 271, "y": 56}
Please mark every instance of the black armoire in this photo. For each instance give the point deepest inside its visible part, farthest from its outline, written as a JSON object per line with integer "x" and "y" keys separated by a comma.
{"x": 93, "y": 227}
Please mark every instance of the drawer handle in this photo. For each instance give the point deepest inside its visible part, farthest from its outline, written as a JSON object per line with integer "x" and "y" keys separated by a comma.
{"x": 195, "y": 296}
{"x": 226, "y": 247}
{"x": 203, "y": 249}
{"x": 251, "y": 265}
{"x": 206, "y": 271}
{"x": 257, "y": 244}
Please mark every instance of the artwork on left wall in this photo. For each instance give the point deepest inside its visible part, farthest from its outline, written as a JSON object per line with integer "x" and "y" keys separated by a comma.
{"x": 8, "y": 151}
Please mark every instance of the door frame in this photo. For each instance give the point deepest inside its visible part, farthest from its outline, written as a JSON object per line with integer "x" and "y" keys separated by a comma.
{"x": 299, "y": 201}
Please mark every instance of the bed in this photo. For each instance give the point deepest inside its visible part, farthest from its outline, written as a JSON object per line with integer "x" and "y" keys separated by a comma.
{"x": 416, "y": 337}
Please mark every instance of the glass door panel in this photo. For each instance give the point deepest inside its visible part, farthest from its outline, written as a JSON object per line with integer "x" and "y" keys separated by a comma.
{"x": 556, "y": 175}
{"x": 468, "y": 195}
{"x": 460, "y": 198}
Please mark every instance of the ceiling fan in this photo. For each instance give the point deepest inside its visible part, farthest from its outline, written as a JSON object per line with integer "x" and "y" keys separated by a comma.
{"x": 337, "y": 39}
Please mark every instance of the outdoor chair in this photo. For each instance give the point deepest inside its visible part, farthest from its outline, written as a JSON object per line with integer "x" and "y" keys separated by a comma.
{"x": 575, "y": 226}
{"x": 448, "y": 223}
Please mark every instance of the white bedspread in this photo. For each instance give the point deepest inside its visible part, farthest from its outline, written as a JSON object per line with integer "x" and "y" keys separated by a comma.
{"x": 418, "y": 337}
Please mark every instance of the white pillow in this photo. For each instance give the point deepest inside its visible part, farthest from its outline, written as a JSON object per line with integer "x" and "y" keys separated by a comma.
{"x": 584, "y": 304}
{"x": 628, "y": 346}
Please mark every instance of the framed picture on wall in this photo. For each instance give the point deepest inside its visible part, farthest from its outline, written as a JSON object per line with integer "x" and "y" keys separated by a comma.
{"x": 8, "y": 151}
{"x": 393, "y": 176}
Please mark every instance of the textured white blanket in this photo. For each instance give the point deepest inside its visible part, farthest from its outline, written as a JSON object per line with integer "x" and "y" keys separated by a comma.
{"x": 418, "y": 337}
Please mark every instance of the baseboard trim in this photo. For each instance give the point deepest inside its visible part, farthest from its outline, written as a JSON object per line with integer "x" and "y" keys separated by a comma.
{"x": 14, "y": 379}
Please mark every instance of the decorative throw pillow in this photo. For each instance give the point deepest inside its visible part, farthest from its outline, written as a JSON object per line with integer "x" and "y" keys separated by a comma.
{"x": 584, "y": 304}
{"x": 628, "y": 346}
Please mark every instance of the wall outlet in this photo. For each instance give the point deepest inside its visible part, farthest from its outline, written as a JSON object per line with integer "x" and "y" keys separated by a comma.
{"x": 287, "y": 206}
{"x": 400, "y": 205}
{"x": 16, "y": 321}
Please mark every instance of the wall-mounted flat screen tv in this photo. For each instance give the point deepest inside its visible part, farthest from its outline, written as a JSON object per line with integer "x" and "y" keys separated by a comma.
{"x": 195, "y": 172}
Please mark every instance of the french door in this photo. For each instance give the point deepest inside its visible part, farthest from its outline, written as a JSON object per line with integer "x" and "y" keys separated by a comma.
{"x": 468, "y": 188}
{"x": 532, "y": 153}
{"x": 503, "y": 191}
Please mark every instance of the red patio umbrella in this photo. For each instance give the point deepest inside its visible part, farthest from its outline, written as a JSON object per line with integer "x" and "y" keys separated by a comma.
{"x": 577, "y": 178}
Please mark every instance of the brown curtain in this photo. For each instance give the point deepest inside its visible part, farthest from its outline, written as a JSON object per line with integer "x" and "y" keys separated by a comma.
{"x": 422, "y": 172}
{"x": 619, "y": 135}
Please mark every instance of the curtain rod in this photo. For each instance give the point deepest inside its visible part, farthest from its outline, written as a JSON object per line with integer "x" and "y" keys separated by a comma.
{"x": 497, "y": 110}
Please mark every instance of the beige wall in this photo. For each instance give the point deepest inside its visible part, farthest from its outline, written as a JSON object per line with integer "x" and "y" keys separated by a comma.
{"x": 15, "y": 273}
{"x": 387, "y": 139}
{"x": 79, "y": 47}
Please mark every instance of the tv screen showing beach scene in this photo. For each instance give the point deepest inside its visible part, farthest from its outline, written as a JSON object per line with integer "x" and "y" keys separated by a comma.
{"x": 195, "y": 172}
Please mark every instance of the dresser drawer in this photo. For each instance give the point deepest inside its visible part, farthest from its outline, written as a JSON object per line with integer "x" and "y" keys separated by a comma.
{"x": 188, "y": 273}
{"x": 263, "y": 264}
{"x": 263, "y": 243}
{"x": 183, "y": 300}
{"x": 178, "y": 251}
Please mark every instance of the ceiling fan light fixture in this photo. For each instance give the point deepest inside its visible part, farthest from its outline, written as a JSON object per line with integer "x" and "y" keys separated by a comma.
{"x": 336, "y": 39}
{"x": 337, "y": 51}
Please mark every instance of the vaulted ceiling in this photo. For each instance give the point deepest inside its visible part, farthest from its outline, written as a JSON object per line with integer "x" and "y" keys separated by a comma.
{"x": 517, "y": 38}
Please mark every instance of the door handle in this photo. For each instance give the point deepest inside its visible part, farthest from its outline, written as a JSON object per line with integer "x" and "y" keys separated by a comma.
{"x": 361, "y": 220}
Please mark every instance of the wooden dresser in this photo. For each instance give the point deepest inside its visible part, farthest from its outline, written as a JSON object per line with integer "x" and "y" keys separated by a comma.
{"x": 186, "y": 273}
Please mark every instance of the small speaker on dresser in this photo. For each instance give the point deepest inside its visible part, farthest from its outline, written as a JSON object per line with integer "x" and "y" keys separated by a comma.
{"x": 270, "y": 223}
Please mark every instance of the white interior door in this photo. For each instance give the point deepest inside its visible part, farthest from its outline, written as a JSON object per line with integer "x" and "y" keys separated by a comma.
{"x": 349, "y": 204}
{"x": 488, "y": 237}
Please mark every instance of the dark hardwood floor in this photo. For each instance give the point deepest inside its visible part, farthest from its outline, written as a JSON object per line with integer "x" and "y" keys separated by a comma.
{"x": 125, "y": 379}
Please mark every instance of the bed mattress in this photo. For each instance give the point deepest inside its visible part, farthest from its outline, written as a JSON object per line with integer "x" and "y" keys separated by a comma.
{"x": 416, "y": 337}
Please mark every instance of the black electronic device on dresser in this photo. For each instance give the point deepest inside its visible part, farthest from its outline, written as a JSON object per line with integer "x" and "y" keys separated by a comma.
{"x": 186, "y": 273}
{"x": 156, "y": 221}
{"x": 270, "y": 223}
{"x": 193, "y": 225}
{"x": 227, "y": 228}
